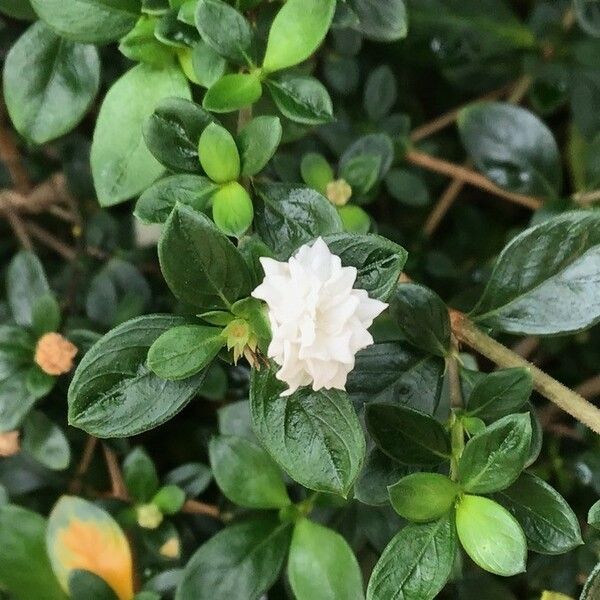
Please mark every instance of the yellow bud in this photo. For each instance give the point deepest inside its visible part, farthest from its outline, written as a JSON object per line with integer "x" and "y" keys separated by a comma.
{"x": 171, "y": 548}
{"x": 339, "y": 192}
{"x": 148, "y": 516}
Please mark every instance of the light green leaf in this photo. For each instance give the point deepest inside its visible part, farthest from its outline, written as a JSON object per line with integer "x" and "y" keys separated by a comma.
{"x": 233, "y": 92}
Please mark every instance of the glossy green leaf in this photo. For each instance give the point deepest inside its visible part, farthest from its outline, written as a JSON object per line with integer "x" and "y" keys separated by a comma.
{"x": 232, "y": 209}
{"x": 173, "y": 32}
{"x": 546, "y": 280}
{"x": 245, "y": 473}
{"x": 494, "y": 458}
{"x": 183, "y": 351}
{"x": 25, "y": 283}
{"x": 361, "y": 173}
{"x": 141, "y": 477}
{"x": 288, "y": 215}
{"x": 45, "y": 441}
{"x": 322, "y": 565}
{"x": 376, "y": 147}
{"x": 297, "y": 31}
{"x": 416, "y": 563}
{"x": 395, "y": 373}
{"x": 512, "y": 147}
{"x": 491, "y": 536}
{"x": 302, "y": 99}
{"x": 233, "y": 92}
{"x": 218, "y": 154}
{"x": 406, "y": 435}
{"x": 214, "y": 274}
{"x": 423, "y": 497}
{"x": 549, "y": 524}
{"x": 140, "y": 44}
{"x": 381, "y": 20}
{"x": 314, "y": 436}
{"x": 49, "y": 83}
{"x": 122, "y": 166}
{"x": 591, "y": 589}
{"x": 208, "y": 65}
{"x": 241, "y": 561}
{"x": 422, "y": 317}
{"x": 594, "y": 515}
{"x": 173, "y": 131}
{"x": 257, "y": 141}
{"x": 500, "y": 393}
{"x": 113, "y": 393}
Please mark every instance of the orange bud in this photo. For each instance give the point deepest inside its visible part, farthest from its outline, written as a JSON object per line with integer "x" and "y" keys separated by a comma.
{"x": 54, "y": 354}
{"x": 9, "y": 443}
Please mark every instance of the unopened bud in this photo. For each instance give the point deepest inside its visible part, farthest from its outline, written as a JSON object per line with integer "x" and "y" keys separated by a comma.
{"x": 171, "y": 548}
{"x": 339, "y": 192}
{"x": 9, "y": 443}
{"x": 54, "y": 354}
{"x": 148, "y": 516}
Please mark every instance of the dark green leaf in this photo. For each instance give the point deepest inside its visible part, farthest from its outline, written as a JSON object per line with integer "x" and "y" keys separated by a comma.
{"x": 380, "y": 92}
{"x": 587, "y": 13}
{"x": 18, "y": 9}
{"x": 49, "y": 83}
{"x": 173, "y": 131}
{"x": 172, "y": 32}
{"x": 407, "y": 187}
{"x": 235, "y": 419}
{"x": 314, "y": 436}
{"x": 494, "y": 458}
{"x": 289, "y": 215}
{"x": 25, "y": 283}
{"x": 361, "y": 173}
{"x": 591, "y": 589}
{"x": 192, "y": 478}
{"x": 257, "y": 142}
{"x": 245, "y": 473}
{"x": 416, "y": 563}
{"x": 113, "y": 393}
{"x": 214, "y": 274}
{"x": 546, "y": 280}
{"x": 594, "y": 515}
{"x": 140, "y": 475}
{"x": 242, "y": 561}
{"x": 422, "y": 317}
{"x": 208, "y": 65}
{"x": 406, "y": 435}
{"x": 322, "y": 565}
{"x": 381, "y": 20}
{"x": 84, "y": 585}
{"x": 378, "y": 145}
{"x": 45, "y": 441}
{"x": 548, "y": 522}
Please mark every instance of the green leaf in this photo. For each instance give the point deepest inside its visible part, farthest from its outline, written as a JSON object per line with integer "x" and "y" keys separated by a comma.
{"x": 232, "y": 209}
{"x": 84, "y": 585}
{"x": 192, "y": 478}
{"x": 113, "y": 393}
{"x": 174, "y": 33}
{"x": 494, "y": 458}
{"x": 45, "y": 441}
{"x": 45, "y": 315}
{"x": 314, "y": 436}
{"x": 302, "y": 99}
{"x": 214, "y": 274}
{"x": 549, "y": 524}
{"x": 407, "y": 187}
{"x": 592, "y": 585}
{"x": 18, "y": 9}
{"x": 588, "y": 16}
{"x": 546, "y": 280}
{"x": 49, "y": 83}
{"x": 406, "y": 435}
{"x": 594, "y": 515}
{"x": 141, "y": 45}
{"x": 224, "y": 29}
{"x": 122, "y": 165}
{"x": 219, "y": 155}
{"x": 390, "y": 372}
{"x": 370, "y": 147}
{"x": 157, "y": 202}
{"x": 94, "y": 21}
{"x": 208, "y": 65}
{"x": 500, "y": 393}
{"x": 37, "y": 382}
{"x": 422, "y": 317}
{"x": 378, "y": 261}
{"x": 173, "y": 131}
{"x": 288, "y": 216}
{"x": 491, "y": 536}
{"x": 140, "y": 475}
{"x": 233, "y": 92}
{"x": 380, "y": 93}
{"x": 322, "y": 565}
{"x": 361, "y": 173}
{"x": 245, "y": 473}
{"x": 183, "y": 351}
{"x": 423, "y": 497}
{"x": 241, "y": 561}
{"x": 316, "y": 171}
{"x": 258, "y": 141}
{"x": 25, "y": 283}
{"x": 416, "y": 563}
{"x": 381, "y": 20}
{"x": 297, "y": 31}
{"x": 169, "y": 499}
{"x": 354, "y": 219}
{"x": 25, "y": 570}
{"x": 512, "y": 146}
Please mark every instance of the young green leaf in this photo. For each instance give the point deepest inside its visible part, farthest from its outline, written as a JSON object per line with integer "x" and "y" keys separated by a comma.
{"x": 141, "y": 45}
{"x": 548, "y": 522}
{"x": 122, "y": 166}
{"x": 258, "y": 141}
{"x": 26, "y": 283}
{"x": 491, "y": 536}
{"x": 354, "y": 219}
{"x": 219, "y": 155}
{"x": 545, "y": 281}
{"x": 316, "y": 171}
{"x": 406, "y": 435}
{"x": 416, "y": 563}
{"x": 184, "y": 351}
{"x": 494, "y": 458}
{"x": 232, "y": 209}
{"x": 423, "y": 497}
{"x": 49, "y": 83}
{"x": 322, "y": 565}
{"x": 169, "y": 499}
{"x": 422, "y": 317}
{"x": 251, "y": 554}
{"x": 314, "y": 436}
{"x": 297, "y": 31}
{"x": 173, "y": 131}
{"x": 140, "y": 475}
{"x": 245, "y": 473}
{"x": 45, "y": 441}
{"x": 233, "y": 92}
{"x": 45, "y": 315}
{"x": 500, "y": 393}
{"x": 214, "y": 274}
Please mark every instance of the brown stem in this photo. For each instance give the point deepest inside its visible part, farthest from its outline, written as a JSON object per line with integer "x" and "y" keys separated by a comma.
{"x": 84, "y": 464}
{"x": 590, "y": 388}
{"x": 10, "y": 155}
{"x": 194, "y": 507}
{"x": 118, "y": 487}
{"x": 51, "y": 241}
{"x": 444, "y": 167}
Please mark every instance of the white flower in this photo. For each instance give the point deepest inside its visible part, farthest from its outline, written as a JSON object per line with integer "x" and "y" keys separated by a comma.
{"x": 319, "y": 321}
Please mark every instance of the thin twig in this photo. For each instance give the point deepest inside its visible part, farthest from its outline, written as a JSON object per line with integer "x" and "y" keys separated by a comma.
{"x": 84, "y": 464}
{"x": 194, "y": 507}
{"x": 118, "y": 487}
{"x": 51, "y": 241}
{"x": 527, "y": 346}
{"x": 590, "y": 388}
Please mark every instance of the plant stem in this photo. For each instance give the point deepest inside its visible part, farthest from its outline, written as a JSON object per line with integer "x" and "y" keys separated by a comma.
{"x": 194, "y": 507}
{"x": 571, "y": 402}
{"x": 84, "y": 464}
